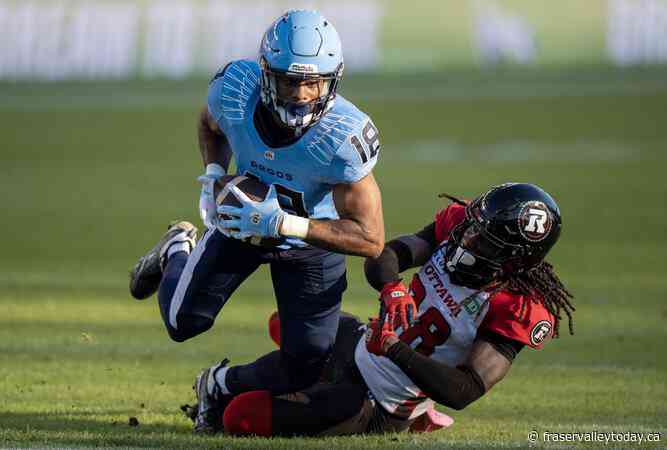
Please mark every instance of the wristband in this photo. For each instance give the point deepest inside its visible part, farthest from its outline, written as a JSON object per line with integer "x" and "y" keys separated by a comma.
{"x": 216, "y": 170}
{"x": 294, "y": 226}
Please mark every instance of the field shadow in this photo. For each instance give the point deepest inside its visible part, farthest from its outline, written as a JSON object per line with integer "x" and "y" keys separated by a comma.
{"x": 60, "y": 431}
{"x": 77, "y": 428}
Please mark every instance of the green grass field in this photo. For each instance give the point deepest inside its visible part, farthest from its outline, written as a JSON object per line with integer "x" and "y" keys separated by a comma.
{"x": 90, "y": 175}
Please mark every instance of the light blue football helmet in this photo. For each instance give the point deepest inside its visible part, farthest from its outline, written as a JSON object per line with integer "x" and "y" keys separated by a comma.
{"x": 299, "y": 45}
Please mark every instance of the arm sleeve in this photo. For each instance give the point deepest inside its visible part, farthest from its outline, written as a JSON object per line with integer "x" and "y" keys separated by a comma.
{"x": 396, "y": 257}
{"x": 428, "y": 234}
{"x": 383, "y": 269}
{"x": 455, "y": 388}
{"x": 507, "y": 347}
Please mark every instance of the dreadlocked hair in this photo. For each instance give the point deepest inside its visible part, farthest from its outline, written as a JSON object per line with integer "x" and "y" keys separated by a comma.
{"x": 542, "y": 285}
{"x": 453, "y": 199}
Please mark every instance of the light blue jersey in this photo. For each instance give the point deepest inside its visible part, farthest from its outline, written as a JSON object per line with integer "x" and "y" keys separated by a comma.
{"x": 342, "y": 147}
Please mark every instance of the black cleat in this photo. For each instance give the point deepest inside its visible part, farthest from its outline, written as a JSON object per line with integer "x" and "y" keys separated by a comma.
{"x": 211, "y": 402}
{"x": 146, "y": 275}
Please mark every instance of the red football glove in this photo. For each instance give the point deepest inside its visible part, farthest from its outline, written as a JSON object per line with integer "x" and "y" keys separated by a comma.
{"x": 397, "y": 305}
{"x": 377, "y": 334}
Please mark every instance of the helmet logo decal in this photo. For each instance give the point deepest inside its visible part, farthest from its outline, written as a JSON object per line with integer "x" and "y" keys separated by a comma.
{"x": 303, "y": 68}
{"x": 535, "y": 221}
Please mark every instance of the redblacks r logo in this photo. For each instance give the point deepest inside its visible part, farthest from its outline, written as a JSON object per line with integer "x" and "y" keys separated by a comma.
{"x": 540, "y": 332}
{"x": 535, "y": 221}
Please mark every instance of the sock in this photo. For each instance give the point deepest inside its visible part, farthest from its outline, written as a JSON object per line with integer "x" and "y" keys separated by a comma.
{"x": 219, "y": 376}
{"x": 178, "y": 247}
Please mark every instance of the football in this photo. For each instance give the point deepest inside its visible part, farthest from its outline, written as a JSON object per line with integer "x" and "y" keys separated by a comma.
{"x": 251, "y": 187}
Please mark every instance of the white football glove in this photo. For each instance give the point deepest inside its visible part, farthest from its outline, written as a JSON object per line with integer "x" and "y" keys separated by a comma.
{"x": 207, "y": 207}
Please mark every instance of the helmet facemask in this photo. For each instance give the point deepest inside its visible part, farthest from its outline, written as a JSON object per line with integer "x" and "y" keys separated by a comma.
{"x": 297, "y": 116}
{"x": 474, "y": 257}
{"x": 469, "y": 257}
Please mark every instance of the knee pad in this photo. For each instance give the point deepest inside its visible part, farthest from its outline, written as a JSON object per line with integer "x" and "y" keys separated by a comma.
{"x": 249, "y": 414}
{"x": 189, "y": 326}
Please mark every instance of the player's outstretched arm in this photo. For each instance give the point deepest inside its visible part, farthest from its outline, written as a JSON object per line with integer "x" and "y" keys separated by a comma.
{"x": 400, "y": 254}
{"x": 382, "y": 272}
{"x": 213, "y": 143}
{"x": 456, "y": 388}
{"x": 360, "y": 229}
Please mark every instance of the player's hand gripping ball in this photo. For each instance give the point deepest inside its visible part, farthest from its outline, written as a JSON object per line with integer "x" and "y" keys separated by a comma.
{"x": 397, "y": 305}
{"x": 238, "y": 216}
{"x": 254, "y": 218}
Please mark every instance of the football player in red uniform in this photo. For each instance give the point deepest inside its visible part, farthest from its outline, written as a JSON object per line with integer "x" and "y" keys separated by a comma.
{"x": 482, "y": 294}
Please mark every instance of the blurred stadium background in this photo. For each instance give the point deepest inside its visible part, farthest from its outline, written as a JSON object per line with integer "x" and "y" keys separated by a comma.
{"x": 98, "y": 151}
{"x": 97, "y": 39}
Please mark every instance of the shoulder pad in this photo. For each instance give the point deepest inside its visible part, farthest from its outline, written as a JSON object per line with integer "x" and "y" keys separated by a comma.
{"x": 231, "y": 88}
{"x": 220, "y": 73}
{"x": 446, "y": 219}
{"x": 347, "y": 140}
{"x": 532, "y": 326}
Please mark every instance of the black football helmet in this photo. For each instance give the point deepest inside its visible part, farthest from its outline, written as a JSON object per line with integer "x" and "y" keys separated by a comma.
{"x": 506, "y": 230}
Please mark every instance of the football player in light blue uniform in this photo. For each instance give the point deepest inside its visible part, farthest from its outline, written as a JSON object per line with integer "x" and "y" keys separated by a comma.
{"x": 342, "y": 146}
{"x": 283, "y": 123}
